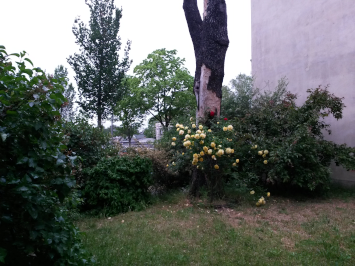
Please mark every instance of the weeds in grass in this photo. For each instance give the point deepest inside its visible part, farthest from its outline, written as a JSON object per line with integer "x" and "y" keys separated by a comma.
{"x": 177, "y": 231}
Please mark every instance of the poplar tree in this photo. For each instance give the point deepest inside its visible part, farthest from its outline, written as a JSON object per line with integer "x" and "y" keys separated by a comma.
{"x": 98, "y": 68}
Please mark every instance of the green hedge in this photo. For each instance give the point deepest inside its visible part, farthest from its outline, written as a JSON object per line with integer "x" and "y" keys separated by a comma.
{"x": 118, "y": 184}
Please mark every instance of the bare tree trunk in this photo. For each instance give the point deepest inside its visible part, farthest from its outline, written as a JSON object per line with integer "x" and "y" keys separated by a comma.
{"x": 210, "y": 40}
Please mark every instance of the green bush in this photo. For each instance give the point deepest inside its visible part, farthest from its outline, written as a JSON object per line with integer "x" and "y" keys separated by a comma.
{"x": 35, "y": 176}
{"x": 87, "y": 142}
{"x": 163, "y": 177}
{"x": 272, "y": 141}
{"x": 118, "y": 184}
{"x": 300, "y": 156}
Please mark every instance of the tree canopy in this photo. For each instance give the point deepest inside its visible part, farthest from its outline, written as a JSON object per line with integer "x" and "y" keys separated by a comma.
{"x": 98, "y": 70}
{"x": 165, "y": 86}
{"x": 128, "y": 111}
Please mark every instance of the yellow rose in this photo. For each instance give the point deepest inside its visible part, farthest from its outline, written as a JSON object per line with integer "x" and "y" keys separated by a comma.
{"x": 174, "y": 139}
{"x": 268, "y": 194}
{"x": 230, "y": 127}
{"x": 186, "y": 128}
{"x": 209, "y": 130}
{"x": 197, "y": 136}
{"x": 191, "y": 119}
{"x": 234, "y": 164}
{"x": 195, "y": 155}
{"x": 205, "y": 149}
{"x": 216, "y": 166}
{"x": 182, "y": 153}
{"x": 209, "y": 152}
{"x": 264, "y": 155}
{"x": 177, "y": 129}
{"x": 167, "y": 165}
{"x": 202, "y": 135}
{"x": 225, "y": 128}
{"x": 173, "y": 163}
{"x": 266, "y": 152}
{"x": 252, "y": 192}
{"x": 193, "y": 126}
{"x": 187, "y": 136}
{"x": 213, "y": 144}
{"x": 237, "y": 161}
{"x": 260, "y": 152}
{"x": 200, "y": 127}
{"x": 173, "y": 144}
{"x": 189, "y": 131}
{"x": 201, "y": 142}
{"x": 220, "y": 152}
{"x": 256, "y": 146}
{"x": 232, "y": 150}
{"x": 187, "y": 143}
{"x": 228, "y": 151}
{"x": 217, "y": 122}
{"x": 214, "y": 157}
{"x": 202, "y": 153}
{"x": 258, "y": 204}
{"x": 181, "y": 132}
{"x": 201, "y": 159}
{"x": 265, "y": 161}
{"x": 177, "y": 125}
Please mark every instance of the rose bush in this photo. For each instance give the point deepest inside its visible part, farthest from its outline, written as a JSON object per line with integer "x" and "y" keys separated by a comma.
{"x": 273, "y": 141}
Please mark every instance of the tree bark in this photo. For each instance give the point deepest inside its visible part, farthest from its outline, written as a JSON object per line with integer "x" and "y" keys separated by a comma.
{"x": 210, "y": 40}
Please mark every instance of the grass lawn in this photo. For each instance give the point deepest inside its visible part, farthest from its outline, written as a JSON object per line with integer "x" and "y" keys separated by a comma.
{"x": 176, "y": 231}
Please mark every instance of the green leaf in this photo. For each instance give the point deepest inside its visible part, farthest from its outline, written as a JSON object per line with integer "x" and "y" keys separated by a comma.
{"x": 23, "y": 189}
{"x": 28, "y": 60}
{"x": 3, "y": 136}
{"x": 32, "y": 211}
{"x": 11, "y": 112}
{"x": 3, "y": 253}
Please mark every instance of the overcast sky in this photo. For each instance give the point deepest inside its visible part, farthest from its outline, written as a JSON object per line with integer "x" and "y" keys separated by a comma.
{"x": 43, "y": 28}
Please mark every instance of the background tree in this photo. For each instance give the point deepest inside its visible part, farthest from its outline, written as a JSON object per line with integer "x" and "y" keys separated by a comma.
{"x": 98, "y": 69}
{"x": 67, "y": 110}
{"x": 129, "y": 111}
{"x": 165, "y": 89}
{"x": 237, "y": 97}
{"x": 149, "y": 132}
{"x": 210, "y": 40}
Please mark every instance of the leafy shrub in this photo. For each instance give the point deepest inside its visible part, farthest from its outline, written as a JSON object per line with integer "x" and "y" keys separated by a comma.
{"x": 34, "y": 174}
{"x": 118, "y": 184}
{"x": 87, "y": 142}
{"x": 163, "y": 177}
{"x": 274, "y": 141}
{"x": 300, "y": 156}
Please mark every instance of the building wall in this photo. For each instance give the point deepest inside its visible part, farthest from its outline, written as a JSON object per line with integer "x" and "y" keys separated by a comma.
{"x": 311, "y": 43}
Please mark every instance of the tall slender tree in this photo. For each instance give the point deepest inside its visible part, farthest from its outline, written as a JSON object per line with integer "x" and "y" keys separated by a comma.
{"x": 210, "y": 40}
{"x": 98, "y": 69}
